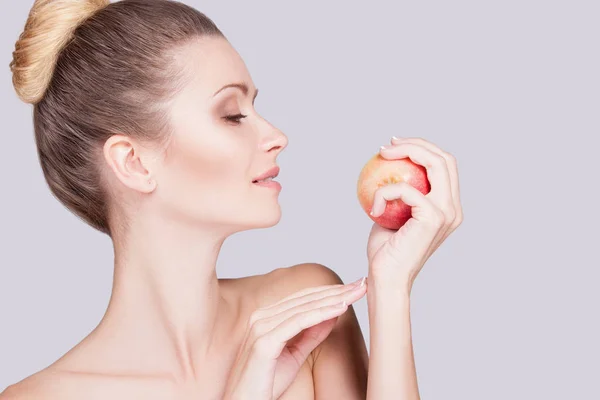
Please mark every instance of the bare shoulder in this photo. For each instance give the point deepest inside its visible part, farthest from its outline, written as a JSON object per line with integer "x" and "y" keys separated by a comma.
{"x": 37, "y": 386}
{"x": 285, "y": 281}
{"x": 257, "y": 291}
{"x": 55, "y": 384}
{"x": 274, "y": 286}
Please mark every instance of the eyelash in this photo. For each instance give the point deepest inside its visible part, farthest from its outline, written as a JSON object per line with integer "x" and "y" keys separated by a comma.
{"x": 235, "y": 118}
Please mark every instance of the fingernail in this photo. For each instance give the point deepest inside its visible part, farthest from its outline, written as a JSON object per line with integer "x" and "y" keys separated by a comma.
{"x": 371, "y": 213}
{"x": 342, "y": 304}
{"x": 382, "y": 148}
{"x": 355, "y": 283}
{"x": 362, "y": 282}
{"x": 395, "y": 138}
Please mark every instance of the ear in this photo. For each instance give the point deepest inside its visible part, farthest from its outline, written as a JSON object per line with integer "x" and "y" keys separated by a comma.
{"x": 124, "y": 157}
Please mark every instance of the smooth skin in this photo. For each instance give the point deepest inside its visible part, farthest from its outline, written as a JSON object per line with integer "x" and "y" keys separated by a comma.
{"x": 396, "y": 257}
{"x": 173, "y": 330}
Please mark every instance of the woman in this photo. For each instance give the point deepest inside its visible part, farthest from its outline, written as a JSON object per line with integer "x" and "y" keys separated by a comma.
{"x": 145, "y": 127}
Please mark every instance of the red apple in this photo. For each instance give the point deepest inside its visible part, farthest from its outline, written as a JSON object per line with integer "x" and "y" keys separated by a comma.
{"x": 378, "y": 172}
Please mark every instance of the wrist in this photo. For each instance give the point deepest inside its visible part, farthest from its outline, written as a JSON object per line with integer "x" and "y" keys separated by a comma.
{"x": 387, "y": 296}
{"x": 387, "y": 306}
{"x": 390, "y": 280}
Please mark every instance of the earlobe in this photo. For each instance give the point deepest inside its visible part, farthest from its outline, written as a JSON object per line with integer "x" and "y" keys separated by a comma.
{"x": 124, "y": 160}
{"x": 151, "y": 186}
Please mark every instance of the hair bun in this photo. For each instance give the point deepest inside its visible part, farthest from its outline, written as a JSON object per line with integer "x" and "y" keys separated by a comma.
{"x": 49, "y": 27}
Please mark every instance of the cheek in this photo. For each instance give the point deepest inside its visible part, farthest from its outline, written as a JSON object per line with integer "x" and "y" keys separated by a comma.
{"x": 198, "y": 162}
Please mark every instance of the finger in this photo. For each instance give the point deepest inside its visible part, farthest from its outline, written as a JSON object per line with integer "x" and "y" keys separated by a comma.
{"x": 271, "y": 344}
{"x": 301, "y": 347}
{"x": 452, "y": 168}
{"x": 422, "y": 208}
{"x": 264, "y": 320}
{"x": 437, "y": 170}
{"x": 310, "y": 338}
{"x": 309, "y": 297}
{"x": 263, "y": 325}
{"x": 313, "y": 289}
{"x": 297, "y": 306}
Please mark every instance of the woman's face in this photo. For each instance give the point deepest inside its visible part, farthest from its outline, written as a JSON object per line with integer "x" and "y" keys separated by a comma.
{"x": 207, "y": 171}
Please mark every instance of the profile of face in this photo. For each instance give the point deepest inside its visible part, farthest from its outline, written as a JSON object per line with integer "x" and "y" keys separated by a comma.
{"x": 205, "y": 175}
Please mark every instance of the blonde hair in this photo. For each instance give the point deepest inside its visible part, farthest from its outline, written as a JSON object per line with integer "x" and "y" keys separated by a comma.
{"x": 49, "y": 28}
{"x": 92, "y": 69}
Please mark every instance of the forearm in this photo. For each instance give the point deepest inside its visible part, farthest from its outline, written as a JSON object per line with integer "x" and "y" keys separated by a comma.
{"x": 392, "y": 373}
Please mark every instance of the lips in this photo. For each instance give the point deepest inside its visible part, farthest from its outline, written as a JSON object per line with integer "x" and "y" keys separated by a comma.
{"x": 271, "y": 173}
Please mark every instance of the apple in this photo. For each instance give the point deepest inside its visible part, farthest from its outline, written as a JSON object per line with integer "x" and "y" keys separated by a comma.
{"x": 379, "y": 171}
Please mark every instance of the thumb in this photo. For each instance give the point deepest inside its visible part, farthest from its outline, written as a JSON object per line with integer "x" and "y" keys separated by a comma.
{"x": 310, "y": 338}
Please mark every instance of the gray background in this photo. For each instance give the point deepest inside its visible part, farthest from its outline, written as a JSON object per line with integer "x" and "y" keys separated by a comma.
{"x": 507, "y": 308}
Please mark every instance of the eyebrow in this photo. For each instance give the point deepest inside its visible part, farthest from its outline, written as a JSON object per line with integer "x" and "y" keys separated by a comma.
{"x": 241, "y": 85}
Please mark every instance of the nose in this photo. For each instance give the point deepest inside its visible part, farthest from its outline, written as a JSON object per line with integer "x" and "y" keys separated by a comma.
{"x": 275, "y": 142}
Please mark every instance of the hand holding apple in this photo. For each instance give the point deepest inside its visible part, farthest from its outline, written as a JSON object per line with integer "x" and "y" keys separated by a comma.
{"x": 425, "y": 191}
{"x": 378, "y": 172}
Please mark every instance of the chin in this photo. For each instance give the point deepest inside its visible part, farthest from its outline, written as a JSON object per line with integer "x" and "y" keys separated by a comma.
{"x": 274, "y": 217}
{"x": 266, "y": 218}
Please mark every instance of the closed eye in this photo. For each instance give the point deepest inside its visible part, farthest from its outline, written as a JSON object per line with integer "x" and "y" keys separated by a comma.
{"x": 235, "y": 118}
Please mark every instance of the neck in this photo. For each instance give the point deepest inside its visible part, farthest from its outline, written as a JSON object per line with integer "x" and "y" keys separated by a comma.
{"x": 166, "y": 300}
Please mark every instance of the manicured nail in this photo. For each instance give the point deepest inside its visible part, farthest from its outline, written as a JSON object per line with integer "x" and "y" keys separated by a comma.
{"x": 394, "y": 137}
{"x": 382, "y": 148}
{"x": 355, "y": 283}
{"x": 342, "y": 304}
{"x": 362, "y": 282}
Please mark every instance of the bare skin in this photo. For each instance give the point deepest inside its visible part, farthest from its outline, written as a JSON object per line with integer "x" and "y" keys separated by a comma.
{"x": 172, "y": 328}
{"x": 97, "y": 365}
